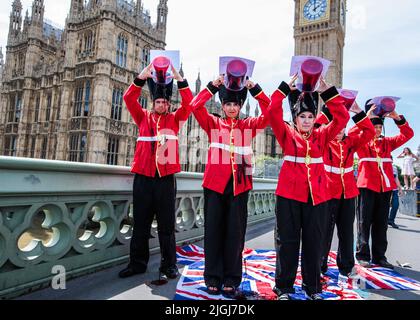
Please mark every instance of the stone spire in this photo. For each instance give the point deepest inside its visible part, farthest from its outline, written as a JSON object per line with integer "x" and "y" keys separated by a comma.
{"x": 248, "y": 108}
{"x": 198, "y": 84}
{"x": 162, "y": 14}
{"x": 38, "y": 9}
{"x": 76, "y": 7}
{"x": 15, "y": 20}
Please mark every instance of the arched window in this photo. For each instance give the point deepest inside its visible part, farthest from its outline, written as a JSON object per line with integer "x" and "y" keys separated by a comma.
{"x": 116, "y": 107}
{"x": 122, "y": 48}
{"x": 145, "y": 57}
{"x": 88, "y": 41}
{"x": 87, "y": 99}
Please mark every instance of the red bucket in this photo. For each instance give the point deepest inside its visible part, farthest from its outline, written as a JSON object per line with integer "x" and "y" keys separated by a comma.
{"x": 236, "y": 72}
{"x": 311, "y": 72}
{"x": 349, "y": 98}
{"x": 386, "y": 106}
{"x": 161, "y": 65}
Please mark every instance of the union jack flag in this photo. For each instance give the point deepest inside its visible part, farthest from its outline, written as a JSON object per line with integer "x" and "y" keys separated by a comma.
{"x": 259, "y": 271}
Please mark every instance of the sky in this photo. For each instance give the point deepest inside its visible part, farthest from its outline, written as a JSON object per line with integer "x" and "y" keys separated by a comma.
{"x": 381, "y": 55}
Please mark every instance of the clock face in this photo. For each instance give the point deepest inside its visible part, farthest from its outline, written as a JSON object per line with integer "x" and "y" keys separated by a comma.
{"x": 315, "y": 9}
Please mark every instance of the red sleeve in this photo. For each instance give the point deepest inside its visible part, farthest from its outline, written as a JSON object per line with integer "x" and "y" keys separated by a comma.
{"x": 198, "y": 106}
{"x": 275, "y": 113}
{"x": 340, "y": 115}
{"x": 364, "y": 133}
{"x": 324, "y": 117}
{"x": 406, "y": 133}
{"x": 261, "y": 122}
{"x": 131, "y": 99}
{"x": 184, "y": 111}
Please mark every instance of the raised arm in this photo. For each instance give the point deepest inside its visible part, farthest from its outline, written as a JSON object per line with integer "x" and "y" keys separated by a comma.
{"x": 262, "y": 121}
{"x": 275, "y": 113}
{"x": 132, "y": 95}
{"x": 406, "y": 132}
{"x": 198, "y": 106}
{"x": 184, "y": 111}
{"x": 325, "y": 117}
{"x": 335, "y": 104}
{"x": 366, "y": 130}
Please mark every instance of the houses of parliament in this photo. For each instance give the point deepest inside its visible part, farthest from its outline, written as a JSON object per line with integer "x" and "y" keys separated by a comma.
{"x": 62, "y": 90}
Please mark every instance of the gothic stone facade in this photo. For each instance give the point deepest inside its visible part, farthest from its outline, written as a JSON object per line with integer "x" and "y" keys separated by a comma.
{"x": 62, "y": 90}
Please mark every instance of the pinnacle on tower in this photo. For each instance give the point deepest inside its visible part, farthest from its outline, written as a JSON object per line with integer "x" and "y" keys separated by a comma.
{"x": 15, "y": 19}
{"x": 248, "y": 108}
{"x": 38, "y": 12}
{"x": 76, "y": 7}
{"x": 198, "y": 84}
{"x": 162, "y": 14}
{"x": 181, "y": 70}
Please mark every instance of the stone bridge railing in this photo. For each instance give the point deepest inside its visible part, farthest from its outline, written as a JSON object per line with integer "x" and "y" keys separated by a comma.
{"x": 79, "y": 216}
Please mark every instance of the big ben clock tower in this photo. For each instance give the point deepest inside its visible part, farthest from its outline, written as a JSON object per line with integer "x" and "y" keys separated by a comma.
{"x": 320, "y": 28}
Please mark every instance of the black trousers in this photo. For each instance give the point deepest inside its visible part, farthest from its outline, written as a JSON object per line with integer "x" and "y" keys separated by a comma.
{"x": 153, "y": 196}
{"x": 341, "y": 213}
{"x": 372, "y": 217}
{"x": 295, "y": 220}
{"x": 224, "y": 236}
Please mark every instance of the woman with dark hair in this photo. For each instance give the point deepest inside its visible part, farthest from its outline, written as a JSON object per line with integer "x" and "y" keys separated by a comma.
{"x": 302, "y": 187}
{"x": 376, "y": 182}
{"x": 408, "y": 168}
{"x": 339, "y": 160}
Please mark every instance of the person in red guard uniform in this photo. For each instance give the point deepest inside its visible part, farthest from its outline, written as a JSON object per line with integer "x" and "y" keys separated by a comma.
{"x": 338, "y": 162}
{"x": 228, "y": 174}
{"x": 376, "y": 182}
{"x": 156, "y": 161}
{"x": 302, "y": 192}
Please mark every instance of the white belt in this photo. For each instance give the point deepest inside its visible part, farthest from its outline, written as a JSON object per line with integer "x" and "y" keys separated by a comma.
{"x": 232, "y": 149}
{"x": 161, "y": 138}
{"x": 338, "y": 170}
{"x": 380, "y": 162}
{"x": 307, "y": 160}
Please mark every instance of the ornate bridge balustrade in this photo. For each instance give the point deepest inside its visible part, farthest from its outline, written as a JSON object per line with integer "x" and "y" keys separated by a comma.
{"x": 79, "y": 216}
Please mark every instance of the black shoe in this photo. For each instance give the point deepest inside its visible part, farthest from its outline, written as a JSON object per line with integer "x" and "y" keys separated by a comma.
{"x": 282, "y": 295}
{"x": 230, "y": 292}
{"x": 129, "y": 272}
{"x": 213, "y": 290}
{"x": 384, "y": 264}
{"x": 394, "y": 225}
{"x": 171, "y": 272}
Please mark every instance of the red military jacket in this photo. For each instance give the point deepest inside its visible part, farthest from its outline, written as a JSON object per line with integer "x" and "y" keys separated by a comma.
{"x": 302, "y": 175}
{"x": 230, "y": 150}
{"x": 339, "y": 156}
{"x": 157, "y": 145}
{"x": 375, "y": 162}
